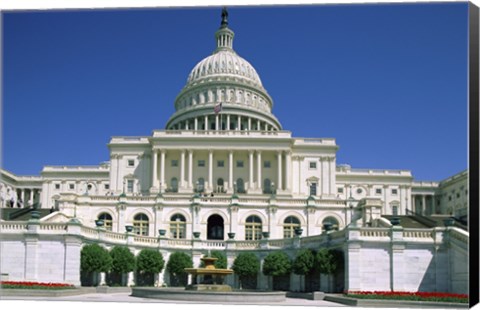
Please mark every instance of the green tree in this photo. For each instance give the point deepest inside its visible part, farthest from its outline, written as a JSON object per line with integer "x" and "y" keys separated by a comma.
{"x": 330, "y": 263}
{"x": 93, "y": 259}
{"x": 303, "y": 265}
{"x": 123, "y": 261}
{"x": 176, "y": 265}
{"x": 304, "y": 262}
{"x": 277, "y": 264}
{"x": 149, "y": 263}
{"x": 246, "y": 266}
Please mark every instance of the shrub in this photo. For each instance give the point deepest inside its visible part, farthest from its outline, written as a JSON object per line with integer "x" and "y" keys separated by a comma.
{"x": 95, "y": 258}
{"x": 177, "y": 262}
{"x": 123, "y": 261}
{"x": 150, "y": 261}
{"x": 277, "y": 264}
{"x": 329, "y": 261}
{"x": 304, "y": 262}
{"x": 246, "y": 264}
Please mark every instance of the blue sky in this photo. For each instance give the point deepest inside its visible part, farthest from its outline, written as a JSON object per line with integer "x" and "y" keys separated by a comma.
{"x": 388, "y": 82}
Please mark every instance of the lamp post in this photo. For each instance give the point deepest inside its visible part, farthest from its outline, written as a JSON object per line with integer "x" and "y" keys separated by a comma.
{"x": 234, "y": 187}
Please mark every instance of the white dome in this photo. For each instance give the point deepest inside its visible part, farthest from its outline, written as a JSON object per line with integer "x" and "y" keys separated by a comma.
{"x": 224, "y": 63}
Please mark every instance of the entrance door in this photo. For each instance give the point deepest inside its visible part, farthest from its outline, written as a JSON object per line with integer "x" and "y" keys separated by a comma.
{"x": 215, "y": 227}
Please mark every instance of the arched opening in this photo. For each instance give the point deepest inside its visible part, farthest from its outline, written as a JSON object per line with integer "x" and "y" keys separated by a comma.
{"x": 140, "y": 224}
{"x": 107, "y": 220}
{"x": 253, "y": 228}
{"x": 289, "y": 226}
{"x": 215, "y": 227}
{"x": 178, "y": 226}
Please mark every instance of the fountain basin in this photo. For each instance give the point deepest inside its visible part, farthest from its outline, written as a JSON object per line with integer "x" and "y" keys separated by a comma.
{"x": 180, "y": 294}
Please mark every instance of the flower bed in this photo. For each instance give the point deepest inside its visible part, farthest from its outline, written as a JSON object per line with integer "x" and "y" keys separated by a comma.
{"x": 35, "y": 285}
{"x": 414, "y": 296}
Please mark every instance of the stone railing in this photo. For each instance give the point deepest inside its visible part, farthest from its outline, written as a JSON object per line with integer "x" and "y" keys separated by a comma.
{"x": 374, "y": 233}
{"x": 418, "y": 234}
{"x": 459, "y": 234}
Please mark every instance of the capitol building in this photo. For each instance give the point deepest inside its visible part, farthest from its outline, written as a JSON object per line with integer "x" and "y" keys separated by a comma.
{"x": 224, "y": 174}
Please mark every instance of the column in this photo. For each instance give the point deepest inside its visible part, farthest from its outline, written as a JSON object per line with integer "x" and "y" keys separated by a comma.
{"x": 239, "y": 122}
{"x": 190, "y": 168}
{"x": 162, "y": 171}
{"x": 266, "y": 127}
{"x": 196, "y": 123}
{"x": 210, "y": 169}
{"x": 288, "y": 171}
{"x": 230, "y": 169}
{"x": 258, "y": 125}
{"x": 228, "y": 122}
{"x": 249, "y": 123}
{"x": 250, "y": 167}
{"x": 259, "y": 170}
{"x": 206, "y": 122}
{"x": 186, "y": 125}
{"x": 414, "y": 207}
{"x": 385, "y": 204}
{"x": 323, "y": 165}
{"x": 32, "y": 196}
{"x": 332, "y": 176}
{"x": 182, "y": 168}
{"x": 424, "y": 206}
{"x": 154, "y": 174}
{"x": 23, "y": 198}
{"x": 279, "y": 172}
{"x": 216, "y": 122}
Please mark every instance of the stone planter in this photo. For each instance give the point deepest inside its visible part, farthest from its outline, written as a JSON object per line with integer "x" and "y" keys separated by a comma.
{"x": 327, "y": 226}
{"x": 266, "y": 234}
{"x": 99, "y": 223}
{"x": 298, "y": 231}
{"x": 35, "y": 215}
{"x": 162, "y": 232}
{"x": 196, "y": 234}
{"x": 449, "y": 222}
{"x": 231, "y": 235}
{"x": 129, "y": 228}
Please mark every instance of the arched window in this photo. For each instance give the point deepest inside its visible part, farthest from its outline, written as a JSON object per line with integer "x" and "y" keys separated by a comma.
{"x": 253, "y": 228}
{"x": 174, "y": 185}
{"x": 267, "y": 186}
{"x": 289, "y": 226}
{"x": 332, "y": 221}
{"x": 140, "y": 224}
{"x": 240, "y": 186}
{"x": 107, "y": 220}
{"x": 178, "y": 226}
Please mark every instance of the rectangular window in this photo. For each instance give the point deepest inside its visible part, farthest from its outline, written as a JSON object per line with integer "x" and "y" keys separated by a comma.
{"x": 107, "y": 186}
{"x": 201, "y": 163}
{"x": 313, "y": 189}
{"x": 131, "y": 162}
{"x": 313, "y": 165}
{"x": 129, "y": 186}
{"x": 239, "y": 163}
{"x": 266, "y": 164}
{"x": 394, "y": 191}
{"x": 71, "y": 186}
{"x": 378, "y": 191}
{"x": 340, "y": 190}
{"x": 57, "y": 186}
{"x": 220, "y": 164}
{"x": 174, "y": 163}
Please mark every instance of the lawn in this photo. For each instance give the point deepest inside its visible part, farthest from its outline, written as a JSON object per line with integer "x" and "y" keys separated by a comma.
{"x": 414, "y": 296}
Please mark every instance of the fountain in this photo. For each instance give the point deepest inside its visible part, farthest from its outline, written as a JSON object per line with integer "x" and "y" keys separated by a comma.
{"x": 208, "y": 278}
{"x": 207, "y": 285}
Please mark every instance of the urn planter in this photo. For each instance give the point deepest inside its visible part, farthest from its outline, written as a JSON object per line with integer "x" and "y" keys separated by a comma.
{"x": 162, "y": 232}
{"x": 231, "y": 235}
{"x": 266, "y": 234}
{"x": 298, "y": 231}
{"x": 129, "y": 228}
{"x": 196, "y": 234}
{"x": 99, "y": 223}
{"x": 395, "y": 221}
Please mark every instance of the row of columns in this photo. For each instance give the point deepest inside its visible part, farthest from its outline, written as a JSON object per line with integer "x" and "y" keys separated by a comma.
{"x": 422, "y": 207}
{"x": 14, "y": 196}
{"x": 219, "y": 123}
{"x": 158, "y": 179}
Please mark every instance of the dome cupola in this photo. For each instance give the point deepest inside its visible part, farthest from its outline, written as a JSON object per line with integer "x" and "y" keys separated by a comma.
{"x": 223, "y": 83}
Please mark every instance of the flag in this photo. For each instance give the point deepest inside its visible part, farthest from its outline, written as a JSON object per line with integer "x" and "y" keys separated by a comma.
{"x": 218, "y": 108}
